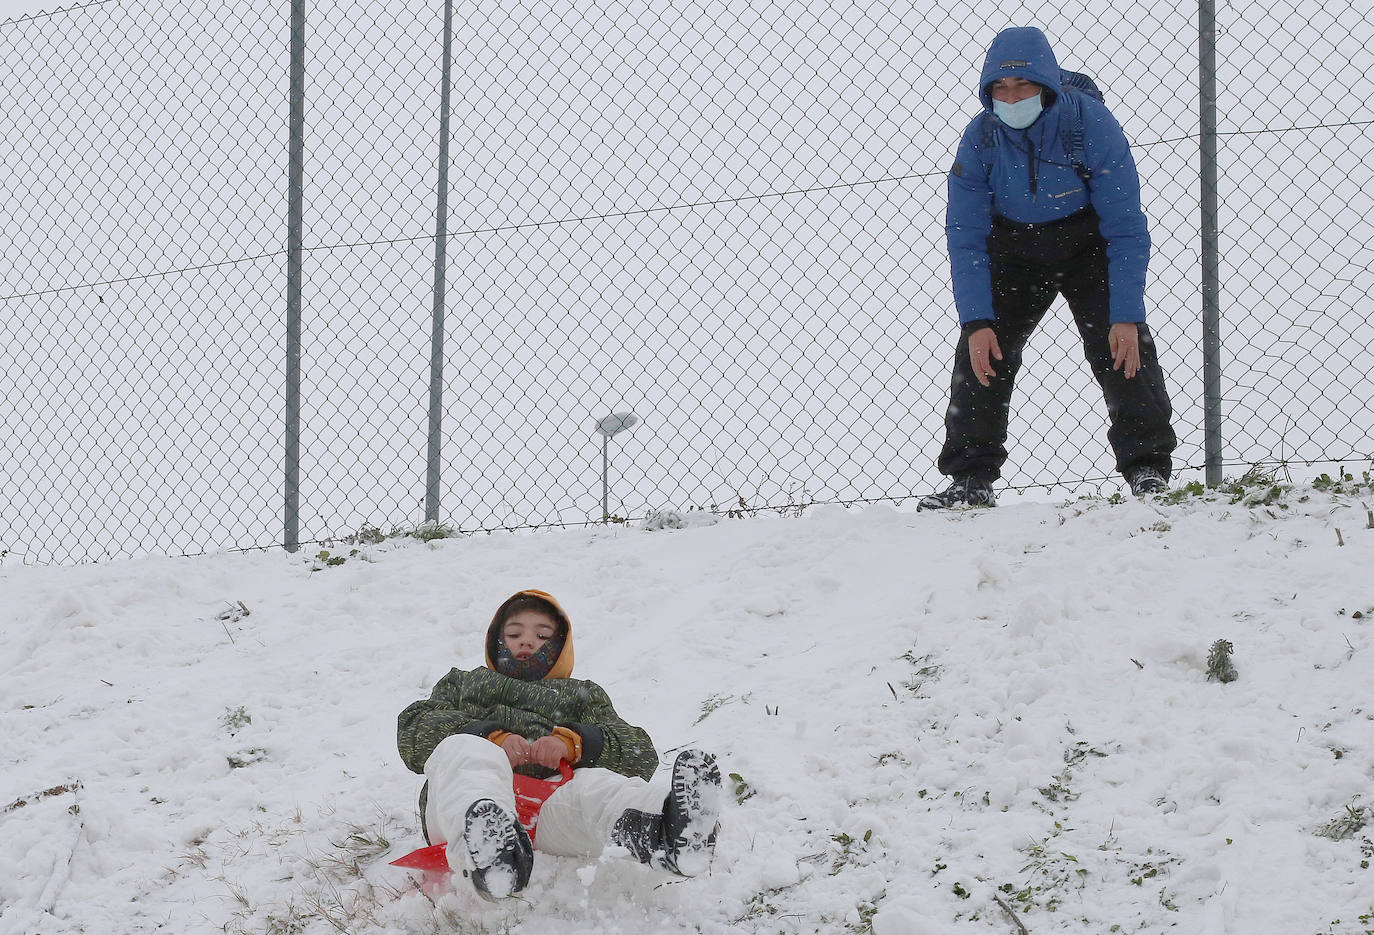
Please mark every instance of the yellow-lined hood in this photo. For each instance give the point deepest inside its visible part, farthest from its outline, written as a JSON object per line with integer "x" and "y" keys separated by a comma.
{"x": 563, "y": 666}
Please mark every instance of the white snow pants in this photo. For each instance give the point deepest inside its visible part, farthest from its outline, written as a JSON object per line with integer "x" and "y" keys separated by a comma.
{"x": 575, "y": 821}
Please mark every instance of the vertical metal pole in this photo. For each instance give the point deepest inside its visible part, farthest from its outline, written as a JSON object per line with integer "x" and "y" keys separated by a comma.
{"x": 1211, "y": 229}
{"x": 436, "y": 340}
{"x": 295, "y": 184}
{"x": 605, "y": 479}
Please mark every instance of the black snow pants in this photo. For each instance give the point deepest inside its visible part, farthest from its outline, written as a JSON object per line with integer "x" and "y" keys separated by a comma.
{"x": 1030, "y": 265}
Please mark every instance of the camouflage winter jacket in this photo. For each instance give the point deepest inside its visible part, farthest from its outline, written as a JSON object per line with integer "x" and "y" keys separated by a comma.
{"x": 486, "y": 703}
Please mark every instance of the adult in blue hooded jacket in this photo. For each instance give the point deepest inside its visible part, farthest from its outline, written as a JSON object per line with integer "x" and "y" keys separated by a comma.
{"x": 1024, "y": 225}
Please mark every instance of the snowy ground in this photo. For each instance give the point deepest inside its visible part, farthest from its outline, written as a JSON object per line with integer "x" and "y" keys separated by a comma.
{"x": 987, "y": 722}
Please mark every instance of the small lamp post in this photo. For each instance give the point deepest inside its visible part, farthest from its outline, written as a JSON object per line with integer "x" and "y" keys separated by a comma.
{"x": 610, "y": 425}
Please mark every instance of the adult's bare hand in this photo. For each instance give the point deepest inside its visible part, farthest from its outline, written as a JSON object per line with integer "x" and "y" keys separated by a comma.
{"x": 1124, "y": 342}
{"x": 982, "y": 348}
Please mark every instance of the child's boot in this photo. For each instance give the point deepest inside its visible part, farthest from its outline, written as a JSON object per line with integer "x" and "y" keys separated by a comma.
{"x": 691, "y": 813}
{"x": 500, "y": 855}
{"x": 641, "y": 833}
{"x": 682, "y": 839}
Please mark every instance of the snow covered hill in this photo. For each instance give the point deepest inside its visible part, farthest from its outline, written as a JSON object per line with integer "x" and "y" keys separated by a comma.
{"x": 998, "y": 721}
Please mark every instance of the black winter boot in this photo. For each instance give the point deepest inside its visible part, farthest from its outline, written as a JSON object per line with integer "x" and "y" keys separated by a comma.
{"x": 691, "y": 813}
{"x": 500, "y": 854}
{"x": 641, "y": 833}
{"x": 682, "y": 840}
{"x": 965, "y": 490}
{"x": 1146, "y": 481}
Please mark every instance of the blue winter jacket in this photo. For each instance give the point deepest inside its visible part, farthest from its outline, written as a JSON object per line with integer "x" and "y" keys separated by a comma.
{"x": 1027, "y": 176}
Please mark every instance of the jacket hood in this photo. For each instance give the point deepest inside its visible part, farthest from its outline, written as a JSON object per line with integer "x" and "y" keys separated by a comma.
{"x": 563, "y": 666}
{"x": 1019, "y": 52}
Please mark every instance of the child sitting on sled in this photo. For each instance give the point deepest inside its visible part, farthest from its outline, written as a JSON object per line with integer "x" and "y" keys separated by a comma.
{"x": 524, "y": 713}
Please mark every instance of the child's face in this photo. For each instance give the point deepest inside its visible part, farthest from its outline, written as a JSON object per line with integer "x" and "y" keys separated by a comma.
{"x": 526, "y": 631}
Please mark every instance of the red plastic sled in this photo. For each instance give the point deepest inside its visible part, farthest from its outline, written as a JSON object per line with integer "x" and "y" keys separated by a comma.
{"x": 530, "y": 793}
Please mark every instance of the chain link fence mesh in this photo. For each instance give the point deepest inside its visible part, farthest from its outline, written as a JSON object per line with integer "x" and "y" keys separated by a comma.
{"x": 726, "y": 218}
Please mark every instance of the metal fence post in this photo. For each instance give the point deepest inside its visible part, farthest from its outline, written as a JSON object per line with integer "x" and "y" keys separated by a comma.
{"x": 436, "y": 341}
{"x": 295, "y": 184}
{"x": 1211, "y": 271}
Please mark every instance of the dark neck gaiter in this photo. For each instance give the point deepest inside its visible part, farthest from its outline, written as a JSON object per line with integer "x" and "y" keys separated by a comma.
{"x": 532, "y": 669}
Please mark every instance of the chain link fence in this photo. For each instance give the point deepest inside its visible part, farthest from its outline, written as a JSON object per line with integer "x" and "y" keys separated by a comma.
{"x": 726, "y": 218}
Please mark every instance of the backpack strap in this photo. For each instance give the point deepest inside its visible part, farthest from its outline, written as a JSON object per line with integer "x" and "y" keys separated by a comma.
{"x": 1071, "y": 134}
{"x": 989, "y": 142}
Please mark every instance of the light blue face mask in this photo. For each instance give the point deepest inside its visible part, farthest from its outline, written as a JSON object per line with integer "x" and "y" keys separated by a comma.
{"x": 1020, "y": 115}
